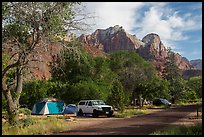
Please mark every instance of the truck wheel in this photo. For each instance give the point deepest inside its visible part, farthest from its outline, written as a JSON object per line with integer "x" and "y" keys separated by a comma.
{"x": 95, "y": 113}
{"x": 80, "y": 113}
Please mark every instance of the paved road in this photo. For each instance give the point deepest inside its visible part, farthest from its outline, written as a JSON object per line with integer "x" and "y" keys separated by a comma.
{"x": 138, "y": 125}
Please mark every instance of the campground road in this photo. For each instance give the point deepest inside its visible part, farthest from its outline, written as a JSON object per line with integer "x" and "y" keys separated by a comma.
{"x": 138, "y": 125}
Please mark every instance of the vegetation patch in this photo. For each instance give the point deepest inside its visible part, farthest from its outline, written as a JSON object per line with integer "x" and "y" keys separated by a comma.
{"x": 131, "y": 112}
{"x": 181, "y": 130}
{"x": 36, "y": 126}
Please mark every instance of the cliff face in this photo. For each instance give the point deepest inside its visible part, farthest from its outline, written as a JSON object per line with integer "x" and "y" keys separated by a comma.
{"x": 111, "y": 39}
{"x": 104, "y": 41}
{"x": 39, "y": 60}
{"x": 150, "y": 47}
{"x": 197, "y": 64}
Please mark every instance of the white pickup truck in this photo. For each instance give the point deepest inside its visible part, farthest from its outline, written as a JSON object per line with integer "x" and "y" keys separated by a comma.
{"x": 94, "y": 107}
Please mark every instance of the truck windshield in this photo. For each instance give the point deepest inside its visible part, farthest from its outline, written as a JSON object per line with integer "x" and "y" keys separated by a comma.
{"x": 98, "y": 102}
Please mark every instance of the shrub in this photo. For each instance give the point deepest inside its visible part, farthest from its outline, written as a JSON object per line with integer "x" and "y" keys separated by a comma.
{"x": 25, "y": 111}
{"x": 25, "y": 122}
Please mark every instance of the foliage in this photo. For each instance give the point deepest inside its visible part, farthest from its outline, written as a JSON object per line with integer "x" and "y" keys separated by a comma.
{"x": 36, "y": 126}
{"x": 173, "y": 74}
{"x": 72, "y": 64}
{"x": 4, "y": 104}
{"x": 25, "y": 122}
{"x": 117, "y": 96}
{"x": 181, "y": 130}
{"x": 25, "y": 111}
{"x": 24, "y": 26}
{"x": 195, "y": 83}
{"x": 131, "y": 112}
{"x": 134, "y": 72}
{"x": 156, "y": 88}
{"x": 35, "y": 90}
{"x": 188, "y": 95}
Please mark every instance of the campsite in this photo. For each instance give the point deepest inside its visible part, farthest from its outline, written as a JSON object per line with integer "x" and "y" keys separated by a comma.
{"x": 62, "y": 67}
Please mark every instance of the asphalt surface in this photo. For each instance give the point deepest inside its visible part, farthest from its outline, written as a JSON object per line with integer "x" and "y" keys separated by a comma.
{"x": 138, "y": 125}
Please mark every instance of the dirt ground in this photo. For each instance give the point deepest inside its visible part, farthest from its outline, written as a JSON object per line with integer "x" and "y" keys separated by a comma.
{"x": 138, "y": 125}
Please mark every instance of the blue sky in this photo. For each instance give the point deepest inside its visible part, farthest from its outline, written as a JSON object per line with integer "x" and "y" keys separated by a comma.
{"x": 179, "y": 24}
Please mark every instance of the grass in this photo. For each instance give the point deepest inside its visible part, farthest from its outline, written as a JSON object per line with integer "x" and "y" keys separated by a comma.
{"x": 39, "y": 126}
{"x": 156, "y": 107}
{"x": 131, "y": 112}
{"x": 183, "y": 103}
{"x": 181, "y": 130}
{"x": 135, "y": 110}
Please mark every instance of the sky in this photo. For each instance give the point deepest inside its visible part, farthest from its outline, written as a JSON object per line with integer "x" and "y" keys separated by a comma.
{"x": 179, "y": 24}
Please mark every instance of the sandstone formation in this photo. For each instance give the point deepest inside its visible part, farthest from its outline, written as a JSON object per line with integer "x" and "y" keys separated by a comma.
{"x": 104, "y": 41}
{"x": 197, "y": 64}
{"x": 150, "y": 47}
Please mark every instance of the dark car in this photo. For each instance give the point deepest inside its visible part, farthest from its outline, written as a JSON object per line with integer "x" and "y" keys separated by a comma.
{"x": 161, "y": 101}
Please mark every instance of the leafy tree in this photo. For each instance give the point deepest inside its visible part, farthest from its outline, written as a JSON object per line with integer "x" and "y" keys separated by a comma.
{"x": 89, "y": 77}
{"x": 117, "y": 96}
{"x": 173, "y": 74}
{"x": 72, "y": 65}
{"x": 25, "y": 26}
{"x": 188, "y": 95}
{"x": 133, "y": 71}
{"x": 156, "y": 88}
{"x": 35, "y": 90}
{"x": 195, "y": 83}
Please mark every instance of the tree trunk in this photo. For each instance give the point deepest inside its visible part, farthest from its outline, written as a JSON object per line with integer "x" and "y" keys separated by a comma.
{"x": 12, "y": 109}
{"x": 140, "y": 101}
{"x": 13, "y": 101}
{"x": 11, "y": 106}
{"x": 133, "y": 102}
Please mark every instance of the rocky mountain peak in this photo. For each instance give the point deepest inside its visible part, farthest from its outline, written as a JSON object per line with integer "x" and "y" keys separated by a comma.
{"x": 197, "y": 64}
{"x": 152, "y": 37}
{"x": 154, "y": 41}
{"x": 150, "y": 47}
{"x": 109, "y": 32}
{"x": 114, "y": 30}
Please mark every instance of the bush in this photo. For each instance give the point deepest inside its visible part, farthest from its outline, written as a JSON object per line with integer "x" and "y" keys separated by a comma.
{"x": 25, "y": 122}
{"x": 117, "y": 96}
{"x": 25, "y": 111}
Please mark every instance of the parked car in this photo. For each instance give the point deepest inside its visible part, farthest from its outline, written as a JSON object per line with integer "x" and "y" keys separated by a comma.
{"x": 70, "y": 109}
{"x": 161, "y": 101}
{"x": 94, "y": 107}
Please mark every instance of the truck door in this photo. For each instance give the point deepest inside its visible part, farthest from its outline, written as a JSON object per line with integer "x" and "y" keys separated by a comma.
{"x": 89, "y": 107}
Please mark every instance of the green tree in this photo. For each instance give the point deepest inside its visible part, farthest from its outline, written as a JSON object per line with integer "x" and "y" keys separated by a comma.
{"x": 133, "y": 71}
{"x": 195, "y": 83}
{"x": 188, "y": 95}
{"x": 72, "y": 65}
{"x": 24, "y": 26}
{"x": 35, "y": 90}
{"x": 117, "y": 96}
{"x": 90, "y": 77}
{"x": 173, "y": 74}
{"x": 156, "y": 88}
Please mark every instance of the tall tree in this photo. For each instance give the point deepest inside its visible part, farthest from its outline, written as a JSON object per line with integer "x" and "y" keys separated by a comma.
{"x": 173, "y": 74}
{"x": 133, "y": 71}
{"x": 27, "y": 26}
{"x": 195, "y": 83}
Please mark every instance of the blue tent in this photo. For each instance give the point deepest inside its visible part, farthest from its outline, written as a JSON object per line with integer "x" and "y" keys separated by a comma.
{"x": 70, "y": 109}
{"x": 48, "y": 106}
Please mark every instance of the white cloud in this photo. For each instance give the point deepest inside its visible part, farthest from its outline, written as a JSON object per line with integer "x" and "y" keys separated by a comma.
{"x": 114, "y": 13}
{"x": 167, "y": 24}
{"x": 142, "y": 18}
